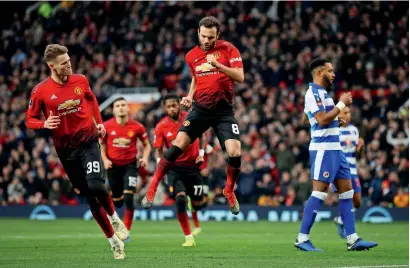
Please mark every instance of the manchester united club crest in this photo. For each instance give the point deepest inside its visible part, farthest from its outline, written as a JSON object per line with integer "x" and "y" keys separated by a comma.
{"x": 78, "y": 90}
{"x": 130, "y": 134}
{"x": 217, "y": 55}
{"x": 186, "y": 123}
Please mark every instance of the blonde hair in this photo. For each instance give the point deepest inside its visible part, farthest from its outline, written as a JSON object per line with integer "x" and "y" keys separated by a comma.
{"x": 53, "y": 51}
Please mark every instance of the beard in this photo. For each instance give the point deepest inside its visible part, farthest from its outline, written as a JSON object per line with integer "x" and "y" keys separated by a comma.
{"x": 327, "y": 82}
{"x": 174, "y": 116}
{"x": 207, "y": 48}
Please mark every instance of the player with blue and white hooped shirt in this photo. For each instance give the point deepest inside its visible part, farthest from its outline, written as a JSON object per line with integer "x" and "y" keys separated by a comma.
{"x": 351, "y": 144}
{"x": 327, "y": 160}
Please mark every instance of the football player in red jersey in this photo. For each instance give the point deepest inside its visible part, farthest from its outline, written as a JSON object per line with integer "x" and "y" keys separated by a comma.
{"x": 75, "y": 123}
{"x": 119, "y": 152}
{"x": 183, "y": 178}
{"x": 215, "y": 66}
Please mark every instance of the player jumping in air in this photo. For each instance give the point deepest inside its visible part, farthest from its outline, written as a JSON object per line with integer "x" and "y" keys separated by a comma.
{"x": 215, "y": 66}
{"x": 72, "y": 111}
{"x": 183, "y": 177}
{"x": 119, "y": 152}
{"x": 328, "y": 163}
{"x": 351, "y": 144}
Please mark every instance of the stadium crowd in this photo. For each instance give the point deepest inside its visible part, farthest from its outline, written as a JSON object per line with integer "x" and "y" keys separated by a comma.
{"x": 131, "y": 44}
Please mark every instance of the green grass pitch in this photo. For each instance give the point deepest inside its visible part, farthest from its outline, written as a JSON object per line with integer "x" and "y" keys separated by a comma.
{"x": 77, "y": 243}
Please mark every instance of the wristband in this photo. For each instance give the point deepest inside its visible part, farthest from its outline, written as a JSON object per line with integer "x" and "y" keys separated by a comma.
{"x": 201, "y": 152}
{"x": 340, "y": 105}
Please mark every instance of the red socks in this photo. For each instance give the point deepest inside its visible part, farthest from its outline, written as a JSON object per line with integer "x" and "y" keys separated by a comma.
{"x": 162, "y": 170}
{"x": 128, "y": 215}
{"x": 195, "y": 219}
{"x": 106, "y": 201}
{"x": 101, "y": 218}
{"x": 232, "y": 177}
{"x": 184, "y": 222}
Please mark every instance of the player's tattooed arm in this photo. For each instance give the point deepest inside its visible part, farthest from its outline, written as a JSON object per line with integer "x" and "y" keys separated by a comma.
{"x": 325, "y": 119}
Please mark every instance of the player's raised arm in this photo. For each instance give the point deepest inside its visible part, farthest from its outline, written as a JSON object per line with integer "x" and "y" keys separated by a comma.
{"x": 325, "y": 118}
{"x": 235, "y": 68}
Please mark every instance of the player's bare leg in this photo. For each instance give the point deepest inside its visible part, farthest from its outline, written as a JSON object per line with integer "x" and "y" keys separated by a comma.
{"x": 100, "y": 216}
{"x": 233, "y": 170}
{"x": 97, "y": 189}
{"x": 181, "y": 204}
{"x": 180, "y": 144}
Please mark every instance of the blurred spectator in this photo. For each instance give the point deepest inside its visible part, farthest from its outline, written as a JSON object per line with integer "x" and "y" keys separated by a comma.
{"x": 16, "y": 192}
{"x": 303, "y": 188}
{"x": 54, "y": 196}
{"x": 401, "y": 200}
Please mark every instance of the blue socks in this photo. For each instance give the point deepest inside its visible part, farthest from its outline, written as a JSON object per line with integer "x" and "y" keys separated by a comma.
{"x": 309, "y": 214}
{"x": 348, "y": 217}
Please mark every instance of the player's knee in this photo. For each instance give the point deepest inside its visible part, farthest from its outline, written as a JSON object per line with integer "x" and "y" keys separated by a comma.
{"x": 234, "y": 161}
{"x": 197, "y": 206}
{"x": 95, "y": 186}
{"x": 183, "y": 140}
{"x": 129, "y": 201}
{"x": 346, "y": 195}
{"x": 180, "y": 202}
{"x": 92, "y": 203}
{"x": 173, "y": 153}
{"x": 233, "y": 148}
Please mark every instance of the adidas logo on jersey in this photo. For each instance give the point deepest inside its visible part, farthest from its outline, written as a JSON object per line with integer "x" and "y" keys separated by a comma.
{"x": 169, "y": 134}
{"x": 113, "y": 133}
{"x": 53, "y": 97}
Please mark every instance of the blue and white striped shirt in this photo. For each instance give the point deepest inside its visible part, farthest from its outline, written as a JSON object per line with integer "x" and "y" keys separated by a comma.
{"x": 349, "y": 138}
{"x": 327, "y": 137}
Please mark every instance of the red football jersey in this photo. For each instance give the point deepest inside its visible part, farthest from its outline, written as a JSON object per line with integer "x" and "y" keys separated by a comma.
{"x": 73, "y": 102}
{"x": 213, "y": 86}
{"x": 166, "y": 131}
{"x": 121, "y": 141}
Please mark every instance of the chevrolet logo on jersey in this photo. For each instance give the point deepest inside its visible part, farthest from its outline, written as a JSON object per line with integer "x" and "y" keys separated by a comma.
{"x": 204, "y": 67}
{"x": 69, "y": 104}
{"x": 121, "y": 142}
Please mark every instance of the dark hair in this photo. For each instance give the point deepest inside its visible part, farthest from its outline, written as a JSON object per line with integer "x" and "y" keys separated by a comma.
{"x": 318, "y": 62}
{"x": 210, "y": 22}
{"x": 170, "y": 97}
{"x": 118, "y": 99}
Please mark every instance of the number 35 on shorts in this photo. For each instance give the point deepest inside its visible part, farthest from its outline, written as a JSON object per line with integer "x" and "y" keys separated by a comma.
{"x": 235, "y": 129}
